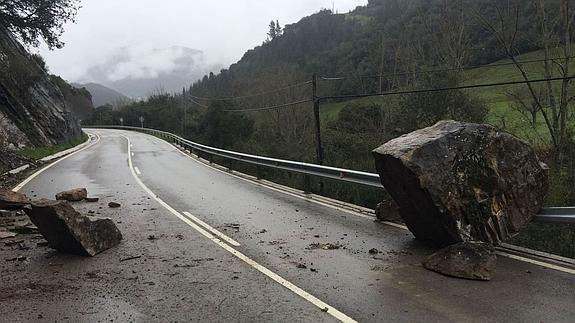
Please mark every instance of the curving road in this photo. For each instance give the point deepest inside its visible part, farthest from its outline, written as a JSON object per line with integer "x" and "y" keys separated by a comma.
{"x": 212, "y": 246}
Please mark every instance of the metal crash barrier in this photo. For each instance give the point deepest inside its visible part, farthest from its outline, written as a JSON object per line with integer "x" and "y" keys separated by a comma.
{"x": 549, "y": 215}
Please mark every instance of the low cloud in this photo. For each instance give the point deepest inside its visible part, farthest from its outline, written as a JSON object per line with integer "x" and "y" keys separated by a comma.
{"x": 138, "y": 71}
{"x": 147, "y": 63}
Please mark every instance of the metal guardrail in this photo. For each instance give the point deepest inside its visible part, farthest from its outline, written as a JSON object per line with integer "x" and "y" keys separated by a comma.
{"x": 550, "y": 215}
{"x": 340, "y": 174}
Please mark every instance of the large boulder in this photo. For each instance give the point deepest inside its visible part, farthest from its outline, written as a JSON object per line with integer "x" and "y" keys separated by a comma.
{"x": 68, "y": 231}
{"x": 458, "y": 182}
{"x": 469, "y": 260}
{"x": 73, "y": 195}
{"x": 10, "y": 200}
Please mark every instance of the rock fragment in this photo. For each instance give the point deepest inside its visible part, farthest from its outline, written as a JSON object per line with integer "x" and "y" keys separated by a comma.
{"x": 459, "y": 182}
{"x": 26, "y": 228}
{"x": 469, "y": 260}
{"x": 10, "y": 200}
{"x": 68, "y": 231}
{"x": 74, "y": 195}
{"x": 114, "y": 205}
{"x": 323, "y": 246}
{"x": 91, "y": 199}
{"x": 5, "y": 235}
{"x": 388, "y": 211}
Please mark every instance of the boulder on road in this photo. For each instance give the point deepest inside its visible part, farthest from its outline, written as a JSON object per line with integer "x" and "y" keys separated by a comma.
{"x": 74, "y": 195}
{"x": 469, "y": 260}
{"x": 10, "y": 200}
{"x": 68, "y": 231}
{"x": 458, "y": 182}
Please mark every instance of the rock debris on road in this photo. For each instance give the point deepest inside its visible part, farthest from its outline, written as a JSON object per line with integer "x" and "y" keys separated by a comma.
{"x": 184, "y": 276}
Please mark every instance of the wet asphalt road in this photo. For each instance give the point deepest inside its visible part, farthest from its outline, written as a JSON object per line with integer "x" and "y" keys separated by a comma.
{"x": 183, "y": 276}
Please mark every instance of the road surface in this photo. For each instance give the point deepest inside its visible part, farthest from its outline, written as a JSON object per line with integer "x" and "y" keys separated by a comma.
{"x": 211, "y": 246}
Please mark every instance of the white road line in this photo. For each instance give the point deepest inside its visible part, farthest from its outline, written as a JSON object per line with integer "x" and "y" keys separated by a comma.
{"x": 300, "y": 292}
{"x": 212, "y": 229}
{"x": 27, "y": 180}
{"x": 536, "y": 262}
{"x": 504, "y": 254}
{"x": 137, "y": 170}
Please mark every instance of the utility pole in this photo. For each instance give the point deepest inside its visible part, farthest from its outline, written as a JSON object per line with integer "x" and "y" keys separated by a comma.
{"x": 316, "y": 102}
{"x": 183, "y": 102}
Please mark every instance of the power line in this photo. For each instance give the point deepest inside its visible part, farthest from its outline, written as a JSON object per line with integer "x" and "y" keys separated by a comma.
{"x": 271, "y": 107}
{"x": 340, "y": 78}
{"x": 251, "y": 95}
{"x": 356, "y": 96}
{"x": 198, "y": 103}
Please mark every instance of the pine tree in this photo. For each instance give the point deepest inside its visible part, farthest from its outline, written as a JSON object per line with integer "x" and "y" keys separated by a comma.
{"x": 272, "y": 32}
{"x": 279, "y": 30}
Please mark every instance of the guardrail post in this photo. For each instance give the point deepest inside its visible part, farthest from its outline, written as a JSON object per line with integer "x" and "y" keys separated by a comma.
{"x": 318, "y": 143}
{"x": 316, "y": 115}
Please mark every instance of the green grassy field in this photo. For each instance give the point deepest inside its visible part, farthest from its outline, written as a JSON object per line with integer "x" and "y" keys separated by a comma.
{"x": 41, "y": 152}
{"x": 502, "y": 114}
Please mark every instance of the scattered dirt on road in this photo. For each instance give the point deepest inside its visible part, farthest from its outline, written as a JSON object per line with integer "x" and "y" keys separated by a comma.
{"x": 323, "y": 246}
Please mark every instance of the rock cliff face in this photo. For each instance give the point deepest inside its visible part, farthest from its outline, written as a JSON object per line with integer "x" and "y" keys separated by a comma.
{"x": 33, "y": 109}
{"x": 78, "y": 100}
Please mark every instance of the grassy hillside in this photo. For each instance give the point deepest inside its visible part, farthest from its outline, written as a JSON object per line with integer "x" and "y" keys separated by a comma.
{"x": 501, "y": 104}
{"x": 502, "y": 111}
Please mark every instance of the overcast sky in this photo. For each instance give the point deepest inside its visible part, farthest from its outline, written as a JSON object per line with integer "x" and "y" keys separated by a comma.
{"x": 223, "y": 29}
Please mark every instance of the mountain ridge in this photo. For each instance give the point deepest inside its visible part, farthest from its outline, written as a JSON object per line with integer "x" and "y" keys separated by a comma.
{"x": 103, "y": 95}
{"x": 139, "y": 72}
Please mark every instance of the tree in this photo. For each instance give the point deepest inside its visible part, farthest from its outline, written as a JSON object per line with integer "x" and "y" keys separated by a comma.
{"x": 554, "y": 23}
{"x": 425, "y": 109}
{"x": 32, "y": 20}
{"x": 224, "y": 129}
{"x": 275, "y": 30}
{"x": 279, "y": 30}
{"x": 40, "y": 61}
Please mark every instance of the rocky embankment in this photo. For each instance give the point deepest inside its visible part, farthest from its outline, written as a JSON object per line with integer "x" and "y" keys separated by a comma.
{"x": 33, "y": 109}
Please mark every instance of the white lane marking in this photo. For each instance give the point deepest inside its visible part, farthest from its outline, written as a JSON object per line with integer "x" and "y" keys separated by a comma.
{"x": 504, "y": 254}
{"x": 300, "y": 292}
{"x": 212, "y": 229}
{"x": 536, "y": 262}
{"x": 137, "y": 170}
{"x": 27, "y": 180}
